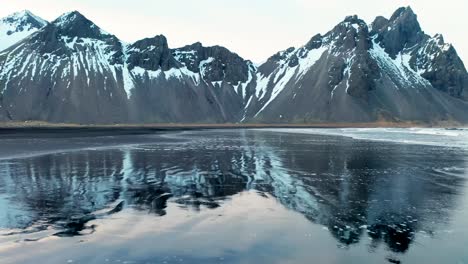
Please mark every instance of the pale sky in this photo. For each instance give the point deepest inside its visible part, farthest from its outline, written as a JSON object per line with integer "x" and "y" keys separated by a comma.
{"x": 255, "y": 29}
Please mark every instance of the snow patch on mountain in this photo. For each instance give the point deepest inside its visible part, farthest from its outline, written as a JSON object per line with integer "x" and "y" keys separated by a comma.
{"x": 128, "y": 81}
{"x": 309, "y": 60}
{"x": 18, "y": 26}
{"x": 241, "y": 87}
{"x": 285, "y": 73}
{"x": 205, "y": 65}
{"x": 398, "y": 69}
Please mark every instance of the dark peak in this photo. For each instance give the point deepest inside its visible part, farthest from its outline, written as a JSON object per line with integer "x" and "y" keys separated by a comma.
{"x": 403, "y": 11}
{"x": 379, "y": 23}
{"x": 405, "y": 17}
{"x": 151, "y": 54}
{"x": 282, "y": 55}
{"x": 70, "y": 17}
{"x": 195, "y": 47}
{"x": 159, "y": 39}
{"x": 204, "y": 51}
{"x": 197, "y": 44}
{"x": 315, "y": 42}
{"x": 439, "y": 38}
{"x": 353, "y": 20}
{"x": 150, "y": 44}
{"x": 400, "y": 32}
{"x": 350, "y": 22}
{"x": 155, "y": 45}
{"x": 74, "y": 24}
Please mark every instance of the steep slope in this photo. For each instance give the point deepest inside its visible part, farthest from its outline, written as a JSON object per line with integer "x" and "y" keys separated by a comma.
{"x": 72, "y": 71}
{"x": 432, "y": 58}
{"x": 232, "y": 78}
{"x": 65, "y": 72}
{"x": 391, "y": 71}
{"x": 17, "y": 26}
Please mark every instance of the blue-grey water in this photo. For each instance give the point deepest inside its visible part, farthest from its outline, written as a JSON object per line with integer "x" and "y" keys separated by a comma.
{"x": 235, "y": 196}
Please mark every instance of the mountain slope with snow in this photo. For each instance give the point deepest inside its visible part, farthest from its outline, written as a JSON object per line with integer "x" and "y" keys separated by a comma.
{"x": 73, "y": 71}
{"x": 17, "y": 26}
{"x": 388, "y": 71}
{"x": 70, "y": 70}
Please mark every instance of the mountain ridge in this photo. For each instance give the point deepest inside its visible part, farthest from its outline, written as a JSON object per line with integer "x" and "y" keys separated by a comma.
{"x": 70, "y": 70}
{"x": 17, "y": 26}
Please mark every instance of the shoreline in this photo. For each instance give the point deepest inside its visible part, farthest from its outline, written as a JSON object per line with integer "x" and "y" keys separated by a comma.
{"x": 30, "y": 126}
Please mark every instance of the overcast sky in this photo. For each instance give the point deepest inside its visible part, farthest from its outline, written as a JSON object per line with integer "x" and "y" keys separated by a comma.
{"x": 255, "y": 29}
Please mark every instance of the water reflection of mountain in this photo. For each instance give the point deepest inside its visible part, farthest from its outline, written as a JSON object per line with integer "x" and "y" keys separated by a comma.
{"x": 388, "y": 191}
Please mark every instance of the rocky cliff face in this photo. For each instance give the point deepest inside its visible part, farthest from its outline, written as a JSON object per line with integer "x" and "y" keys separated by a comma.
{"x": 432, "y": 58}
{"x": 388, "y": 71}
{"x": 70, "y": 70}
{"x": 73, "y": 71}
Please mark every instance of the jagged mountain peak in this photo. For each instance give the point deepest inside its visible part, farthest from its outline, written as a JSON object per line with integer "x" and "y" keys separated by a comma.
{"x": 72, "y": 71}
{"x": 201, "y": 48}
{"x": 70, "y": 17}
{"x": 315, "y": 42}
{"x": 351, "y": 22}
{"x": 158, "y": 41}
{"x": 401, "y": 31}
{"x": 347, "y": 35}
{"x": 351, "y": 25}
{"x": 151, "y": 54}
{"x": 389, "y": 70}
{"x": 23, "y": 18}
{"x": 214, "y": 63}
{"x": 406, "y": 18}
{"x": 405, "y": 11}
{"x": 197, "y": 44}
{"x": 354, "y": 20}
{"x": 17, "y": 26}
{"x": 73, "y": 32}
{"x": 74, "y": 24}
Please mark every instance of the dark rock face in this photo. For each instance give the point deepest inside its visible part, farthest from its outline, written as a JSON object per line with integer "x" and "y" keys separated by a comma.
{"x": 72, "y": 71}
{"x": 439, "y": 63}
{"x": 363, "y": 75}
{"x": 74, "y": 24}
{"x": 216, "y": 63}
{"x": 401, "y": 31}
{"x": 151, "y": 54}
{"x": 354, "y": 73}
{"x": 435, "y": 60}
{"x": 315, "y": 42}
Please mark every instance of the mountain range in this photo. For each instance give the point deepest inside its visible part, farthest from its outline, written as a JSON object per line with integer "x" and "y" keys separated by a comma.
{"x": 70, "y": 70}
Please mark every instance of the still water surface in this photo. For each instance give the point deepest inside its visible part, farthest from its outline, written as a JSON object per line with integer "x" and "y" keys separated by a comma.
{"x": 233, "y": 196}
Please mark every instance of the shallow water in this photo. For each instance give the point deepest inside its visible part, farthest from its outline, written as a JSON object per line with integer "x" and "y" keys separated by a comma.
{"x": 234, "y": 196}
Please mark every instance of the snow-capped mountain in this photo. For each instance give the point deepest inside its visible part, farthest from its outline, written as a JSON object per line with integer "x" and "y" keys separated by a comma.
{"x": 73, "y": 71}
{"x": 389, "y": 70}
{"x": 70, "y": 70}
{"x": 17, "y": 26}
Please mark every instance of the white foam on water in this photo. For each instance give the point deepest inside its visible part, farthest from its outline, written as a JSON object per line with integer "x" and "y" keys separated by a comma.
{"x": 422, "y": 136}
